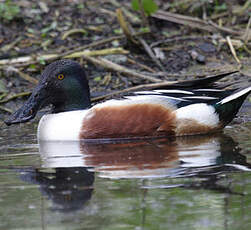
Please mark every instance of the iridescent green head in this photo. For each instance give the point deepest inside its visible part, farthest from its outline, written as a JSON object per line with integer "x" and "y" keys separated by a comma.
{"x": 63, "y": 85}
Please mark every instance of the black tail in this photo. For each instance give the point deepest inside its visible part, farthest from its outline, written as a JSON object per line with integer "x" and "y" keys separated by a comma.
{"x": 228, "y": 107}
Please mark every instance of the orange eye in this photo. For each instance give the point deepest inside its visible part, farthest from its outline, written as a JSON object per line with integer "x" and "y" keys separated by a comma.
{"x": 60, "y": 77}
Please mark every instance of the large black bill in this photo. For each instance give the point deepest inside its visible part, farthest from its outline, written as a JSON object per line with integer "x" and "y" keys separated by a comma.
{"x": 29, "y": 109}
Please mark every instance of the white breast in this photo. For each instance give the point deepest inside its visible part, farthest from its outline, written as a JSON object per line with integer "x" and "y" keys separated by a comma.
{"x": 61, "y": 126}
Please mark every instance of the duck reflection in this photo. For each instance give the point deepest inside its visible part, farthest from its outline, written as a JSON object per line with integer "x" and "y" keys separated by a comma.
{"x": 144, "y": 158}
{"x": 68, "y": 188}
{"x": 67, "y": 173}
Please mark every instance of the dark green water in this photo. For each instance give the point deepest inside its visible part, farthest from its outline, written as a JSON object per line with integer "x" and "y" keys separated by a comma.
{"x": 186, "y": 183}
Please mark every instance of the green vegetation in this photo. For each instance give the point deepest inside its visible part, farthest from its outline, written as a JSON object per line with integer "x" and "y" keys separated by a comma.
{"x": 149, "y": 6}
{"x": 8, "y": 10}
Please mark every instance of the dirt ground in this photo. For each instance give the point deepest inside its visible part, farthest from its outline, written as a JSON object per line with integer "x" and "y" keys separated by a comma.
{"x": 183, "y": 48}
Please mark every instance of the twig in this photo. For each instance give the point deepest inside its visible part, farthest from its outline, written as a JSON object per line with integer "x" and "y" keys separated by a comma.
{"x": 93, "y": 44}
{"x": 6, "y": 109}
{"x": 246, "y": 49}
{"x": 3, "y": 95}
{"x": 235, "y": 42}
{"x": 23, "y": 94}
{"x": 97, "y": 52}
{"x": 151, "y": 54}
{"x": 123, "y": 24}
{"x": 246, "y": 73}
{"x": 133, "y": 18}
{"x": 143, "y": 15}
{"x": 194, "y": 22}
{"x": 176, "y": 39}
{"x": 73, "y": 31}
{"x": 118, "y": 68}
{"x": 11, "y": 45}
{"x": 241, "y": 10}
{"x": 23, "y": 75}
{"x": 184, "y": 20}
{"x": 247, "y": 34}
{"x": 106, "y": 11}
{"x": 81, "y": 48}
{"x": 128, "y": 30}
{"x": 232, "y": 50}
{"x": 198, "y": 75}
{"x": 97, "y": 43}
{"x": 225, "y": 29}
{"x": 68, "y": 52}
{"x": 47, "y": 57}
{"x": 141, "y": 65}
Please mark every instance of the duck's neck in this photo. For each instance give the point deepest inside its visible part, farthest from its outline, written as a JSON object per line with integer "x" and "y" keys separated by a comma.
{"x": 72, "y": 105}
{"x": 75, "y": 99}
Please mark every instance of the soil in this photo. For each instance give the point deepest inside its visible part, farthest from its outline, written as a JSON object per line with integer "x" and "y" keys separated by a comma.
{"x": 185, "y": 53}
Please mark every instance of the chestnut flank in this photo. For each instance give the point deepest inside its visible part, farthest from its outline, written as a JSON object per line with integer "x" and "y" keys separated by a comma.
{"x": 135, "y": 120}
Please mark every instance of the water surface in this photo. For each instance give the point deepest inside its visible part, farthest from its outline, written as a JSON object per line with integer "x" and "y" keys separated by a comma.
{"x": 180, "y": 183}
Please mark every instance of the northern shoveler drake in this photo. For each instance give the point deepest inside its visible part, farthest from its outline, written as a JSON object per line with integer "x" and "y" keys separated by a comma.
{"x": 160, "y": 112}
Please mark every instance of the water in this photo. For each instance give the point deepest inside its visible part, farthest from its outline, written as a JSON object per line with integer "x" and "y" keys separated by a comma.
{"x": 185, "y": 183}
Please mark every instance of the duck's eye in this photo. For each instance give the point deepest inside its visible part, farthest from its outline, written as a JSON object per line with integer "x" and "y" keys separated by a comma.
{"x": 60, "y": 77}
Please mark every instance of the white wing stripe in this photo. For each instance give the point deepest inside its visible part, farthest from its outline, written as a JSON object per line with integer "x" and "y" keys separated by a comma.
{"x": 209, "y": 90}
{"x": 201, "y": 97}
{"x": 153, "y": 97}
{"x": 235, "y": 95}
{"x": 173, "y": 91}
{"x": 147, "y": 92}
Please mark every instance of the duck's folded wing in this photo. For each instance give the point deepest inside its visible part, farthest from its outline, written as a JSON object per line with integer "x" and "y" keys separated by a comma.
{"x": 183, "y": 97}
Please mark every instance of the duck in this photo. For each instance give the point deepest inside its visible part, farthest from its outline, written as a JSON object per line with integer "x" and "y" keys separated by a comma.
{"x": 145, "y": 114}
